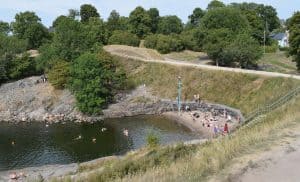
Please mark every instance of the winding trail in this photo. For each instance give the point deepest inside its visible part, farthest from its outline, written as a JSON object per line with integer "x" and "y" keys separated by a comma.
{"x": 114, "y": 50}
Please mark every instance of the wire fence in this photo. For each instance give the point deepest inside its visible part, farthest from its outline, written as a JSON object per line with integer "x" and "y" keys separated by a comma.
{"x": 273, "y": 105}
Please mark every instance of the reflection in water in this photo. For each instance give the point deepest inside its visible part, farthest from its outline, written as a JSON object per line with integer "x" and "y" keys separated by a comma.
{"x": 36, "y": 144}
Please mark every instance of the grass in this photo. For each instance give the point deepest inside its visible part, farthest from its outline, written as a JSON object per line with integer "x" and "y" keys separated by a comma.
{"x": 243, "y": 91}
{"x": 278, "y": 62}
{"x": 190, "y": 56}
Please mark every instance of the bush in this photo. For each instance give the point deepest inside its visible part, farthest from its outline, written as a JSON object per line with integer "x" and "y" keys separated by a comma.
{"x": 59, "y": 74}
{"x": 94, "y": 81}
{"x": 151, "y": 41}
{"x": 164, "y": 43}
{"x": 190, "y": 40}
{"x": 272, "y": 48}
{"x": 22, "y": 66}
{"x": 152, "y": 139}
{"x": 124, "y": 38}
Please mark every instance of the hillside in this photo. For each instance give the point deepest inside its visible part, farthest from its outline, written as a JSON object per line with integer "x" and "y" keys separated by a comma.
{"x": 243, "y": 91}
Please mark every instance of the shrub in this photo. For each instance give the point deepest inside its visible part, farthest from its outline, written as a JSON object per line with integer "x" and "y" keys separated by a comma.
{"x": 59, "y": 74}
{"x": 22, "y": 66}
{"x": 94, "y": 80}
{"x": 152, "y": 139}
{"x": 190, "y": 40}
{"x": 164, "y": 43}
{"x": 272, "y": 48}
{"x": 124, "y": 38}
{"x": 151, "y": 41}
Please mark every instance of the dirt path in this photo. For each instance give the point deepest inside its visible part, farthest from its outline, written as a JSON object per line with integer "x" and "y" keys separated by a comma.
{"x": 201, "y": 66}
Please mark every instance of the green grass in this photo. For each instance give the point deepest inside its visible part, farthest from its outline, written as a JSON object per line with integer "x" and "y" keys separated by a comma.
{"x": 243, "y": 91}
{"x": 190, "y": 56}
{"x": 278, "y": 62}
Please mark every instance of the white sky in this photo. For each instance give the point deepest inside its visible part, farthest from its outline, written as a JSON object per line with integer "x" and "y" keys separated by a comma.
{"x": 48, "y": 10}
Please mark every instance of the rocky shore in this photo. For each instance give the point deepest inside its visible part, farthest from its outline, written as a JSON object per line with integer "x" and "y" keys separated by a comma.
{"x": 31, "y": 100}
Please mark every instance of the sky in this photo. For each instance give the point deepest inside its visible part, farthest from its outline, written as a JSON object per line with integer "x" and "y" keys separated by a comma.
{"x": 48, "y": 10}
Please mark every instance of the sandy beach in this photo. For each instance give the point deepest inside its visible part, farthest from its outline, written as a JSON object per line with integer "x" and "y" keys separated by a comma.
{"x": 203, "y": 122}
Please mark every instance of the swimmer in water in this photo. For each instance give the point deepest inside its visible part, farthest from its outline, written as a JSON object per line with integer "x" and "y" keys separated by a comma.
{"x": 78, "y": 138}
{"x": 125, "y": 132}
{"x": 94, "y": 140}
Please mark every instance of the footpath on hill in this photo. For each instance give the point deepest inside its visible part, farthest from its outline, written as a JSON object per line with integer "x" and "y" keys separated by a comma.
{"x": 126, "y": 52}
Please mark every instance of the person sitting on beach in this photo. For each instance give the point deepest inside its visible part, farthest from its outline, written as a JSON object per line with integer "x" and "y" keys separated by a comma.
{"x": 216, "y": 130}
{"x": 226, "y": 130}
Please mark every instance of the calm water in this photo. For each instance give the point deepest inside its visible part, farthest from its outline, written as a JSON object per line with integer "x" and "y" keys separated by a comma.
{"x": 36, "y": 144}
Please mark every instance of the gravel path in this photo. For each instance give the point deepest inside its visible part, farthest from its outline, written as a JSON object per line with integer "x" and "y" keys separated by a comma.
{"x": 201, "y": 66}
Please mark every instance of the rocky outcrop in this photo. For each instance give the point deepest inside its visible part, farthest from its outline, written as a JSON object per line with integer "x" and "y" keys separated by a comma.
{"x": 31, "y": 100}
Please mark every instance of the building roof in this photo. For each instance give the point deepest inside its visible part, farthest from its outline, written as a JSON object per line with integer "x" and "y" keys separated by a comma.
{"x": 278, "y": 36}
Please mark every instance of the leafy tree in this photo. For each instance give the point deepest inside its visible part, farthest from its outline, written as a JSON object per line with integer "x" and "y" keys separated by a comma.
{"x": 28, "y": 26}
{"x": 87, "y": 11}
{"x": 190, "y": 40}
{"x": 195, "y": 18}
{"x": 214, "y": 43}
{"x": 140, "y": 22}
{"x": 96, "y": 31}
{"x": 10, "y": 47}
{"x": 21, "y": 66}
{"x": 229, "y": 18}
{"x": 294, "y": 38}
{"x": 124, "y": 38}
{"x": 113, "y": 21}
{"x": 215, "y": 4}
{"x": 154, "y": 15}
{"x": 59, "y": 74}
{"x": 94, "y": 81}
{"x": 73, "y": 13}
{"x": 244, "y": 51}
{"x": 269, "y": 16}
{"x": 4, "y": 27}
{"x": 169, "y": 24}
{"x": 151, "y": 41}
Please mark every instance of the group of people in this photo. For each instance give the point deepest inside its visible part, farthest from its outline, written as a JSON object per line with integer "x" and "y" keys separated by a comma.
{"x": 125, "y": 133}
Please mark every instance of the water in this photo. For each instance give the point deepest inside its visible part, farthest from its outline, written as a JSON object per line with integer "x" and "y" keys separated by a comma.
{"x": 37, "y": 145}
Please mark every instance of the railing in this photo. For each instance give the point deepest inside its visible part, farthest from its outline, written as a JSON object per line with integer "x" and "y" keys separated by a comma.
{"x": 273, "y": 105}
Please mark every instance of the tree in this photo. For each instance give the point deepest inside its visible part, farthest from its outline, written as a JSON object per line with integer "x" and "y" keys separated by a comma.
{"x": 87, "y": 11}
{"x": 229, "y": 18}
{"x": 154, "y": 15}
{"x": 244, "y": 51}
{"x": 59, "y": 74}
{"x": 10, "y": 47}
{"x": 140, "y": 22}
{"x": 124, "y": 38}
{"x": 294, "y": 38}
{"x": 164, "y": 43}
{"x": 4, "y": 27}
{"x": 214, "y": 43}
{"x": 28, "y": 26}
{"x": 21, "y": 66}
{"x": 94, "y": 81}
{"x": 73, "y": 13}
{"x": 169, "y": 24}
{"x": 96, "y": 32}
{"x": 195, "y": 18}
{"x": 269, "y": 16}
{"x": 192, "y": 40}
{"x": 215, "y": 4}
{"x": 113, "y": 21}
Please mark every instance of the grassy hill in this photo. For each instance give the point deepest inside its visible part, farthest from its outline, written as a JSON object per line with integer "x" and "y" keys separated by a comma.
{"x": 243, "y": 91}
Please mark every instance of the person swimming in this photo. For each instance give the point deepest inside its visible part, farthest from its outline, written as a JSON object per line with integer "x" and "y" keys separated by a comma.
{"x": 125, "y": 132}
{"x": 94, "y": 140}
{"x": 78, "y": 138}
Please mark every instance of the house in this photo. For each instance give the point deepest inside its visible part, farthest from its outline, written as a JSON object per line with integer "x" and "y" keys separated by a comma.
{"x": 282, "y": 38}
